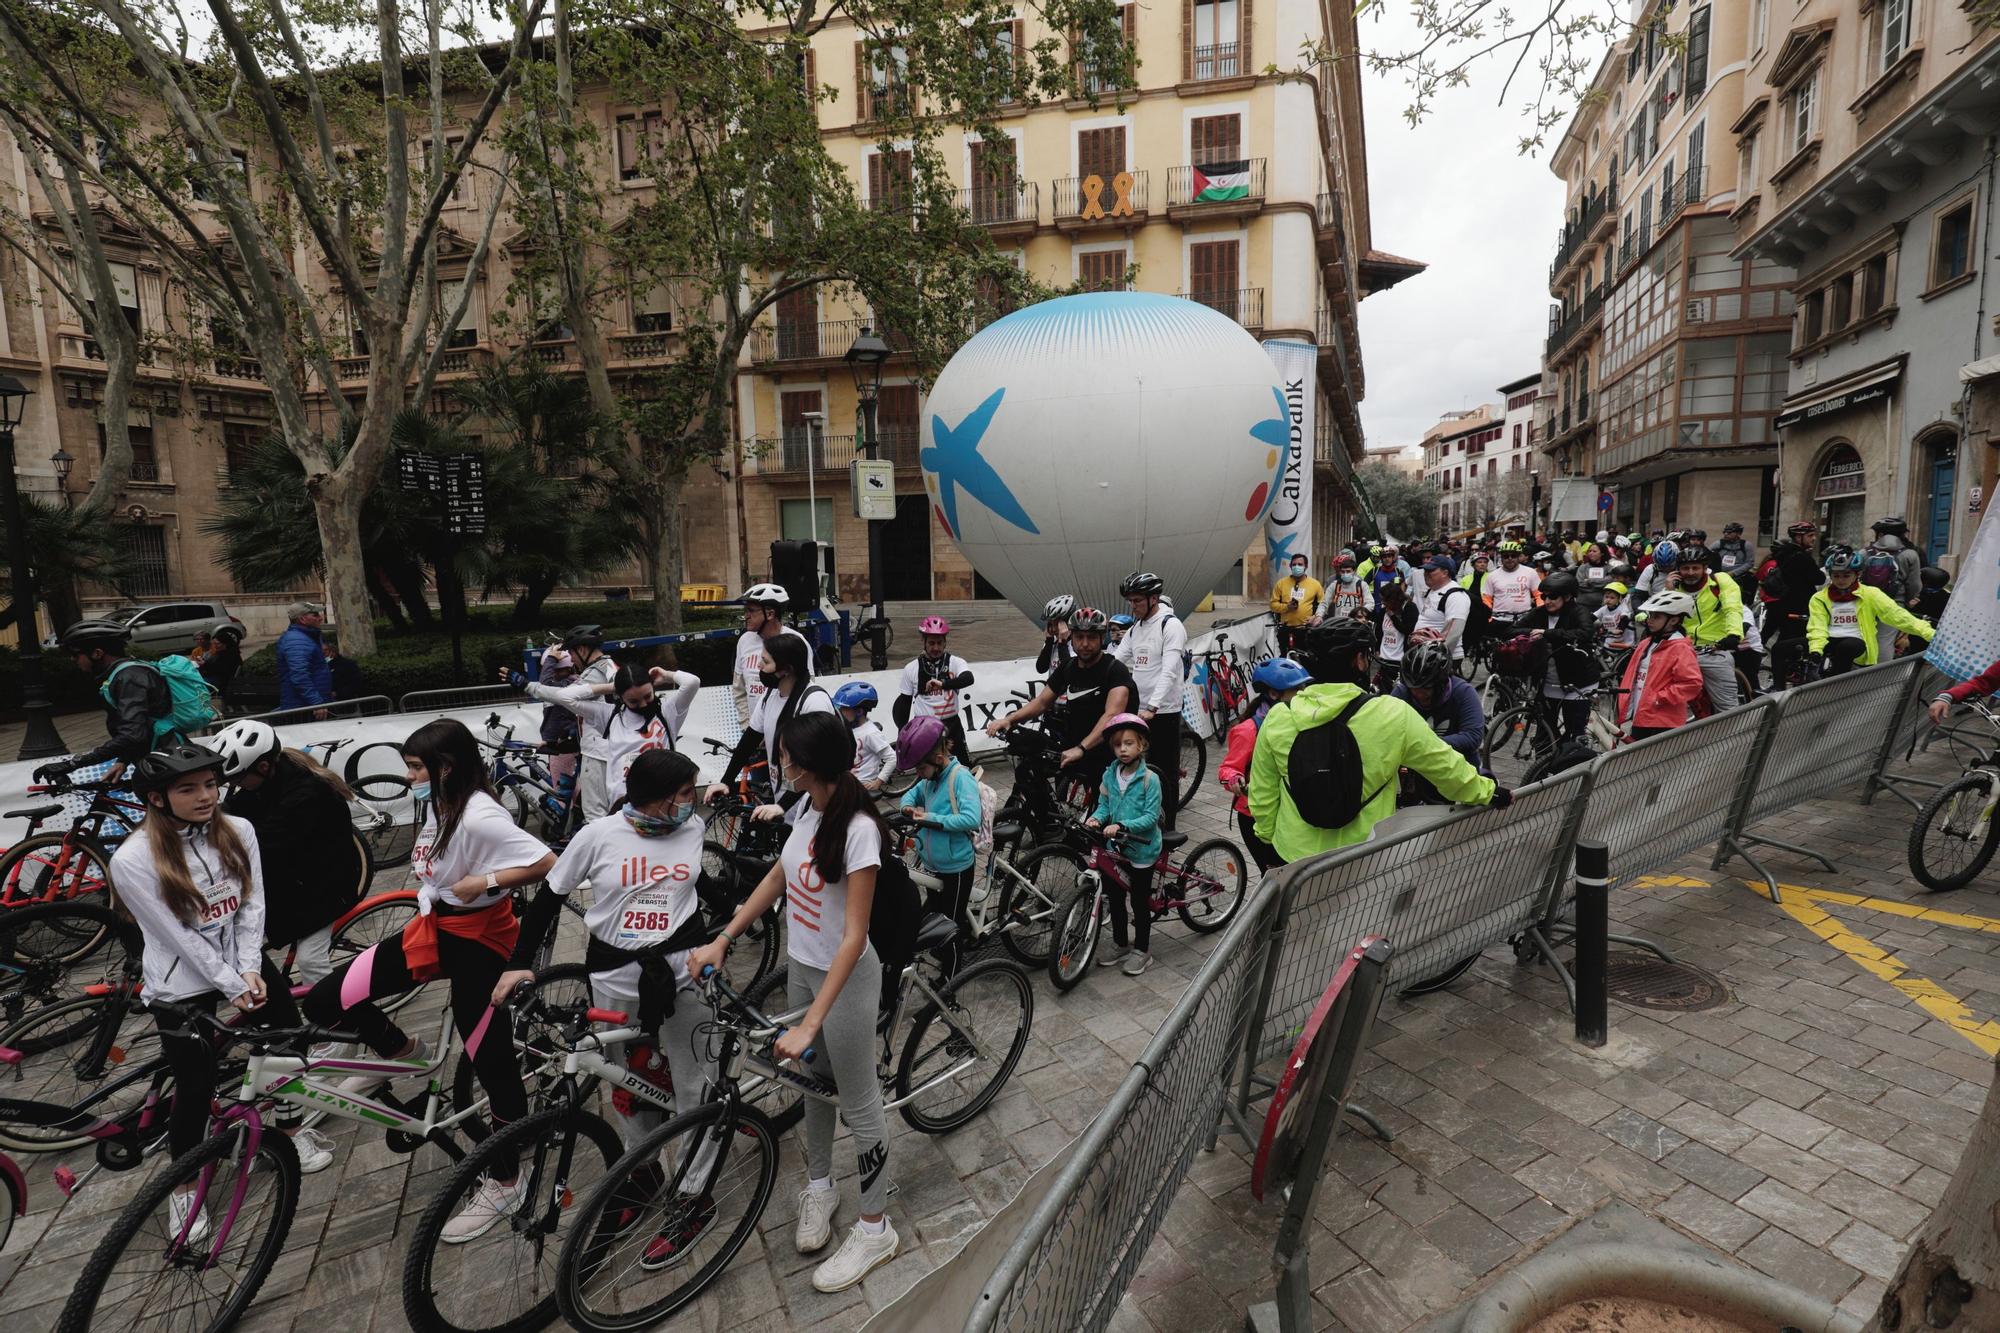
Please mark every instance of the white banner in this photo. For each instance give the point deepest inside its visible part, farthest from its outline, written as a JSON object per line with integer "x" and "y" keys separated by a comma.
{"x": 1968, "y": 637}
{"x": 1288, "y": 525}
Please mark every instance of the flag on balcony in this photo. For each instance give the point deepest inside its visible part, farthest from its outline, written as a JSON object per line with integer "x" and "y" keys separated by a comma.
{"x": 1220, "y": 182}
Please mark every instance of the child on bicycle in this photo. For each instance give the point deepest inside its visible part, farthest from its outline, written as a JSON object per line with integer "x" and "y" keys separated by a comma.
{"x": 1614, "y": 620}
{"x": 468, "y": 857}
{"x": 191, "y": 880}
{"x": 826, "y": 874}
{"x": 1276, "y": 680}
{"x": 945, "y": 805}
{"x": 874, "y": 754}
{"x": 1662, "y": 678}
{"x": 1128, "y": 813}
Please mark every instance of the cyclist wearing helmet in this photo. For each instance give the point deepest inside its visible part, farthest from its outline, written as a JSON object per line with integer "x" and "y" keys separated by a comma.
{"x": 1119, "y": 625}
{"x": 1934, "y": 593}
{"x": 224, "y": 660}
{"x": 1295, "y": 601}
{"x": 1786, "y": 584}
{"x": 1130, "y": 808}
{"x": 1893, "y": 534}
{"x": 1091, "y": 688}
{"x": 1055, "y": 641}
{"x": 1565, "y": 654}
{"x": 763, "y": 620}
{"x": 190, "y": 878}
{"x": 582, "y": 692}
{"x": 1388, "y": 733}
{"x": 312, "y": 863}
{"x": 1155, "y": 650}
{"x": 1448, "y": 704}
{"x": 1842, "y": 618}
{"x": 1510, "y": 589}
{"x": 1715, "y": 626}
{"x": 1662, "y": 678}
{"x": 1733, "y": 555}
{"x": 1347, "y": 595}
{"x": 874, "y": 754}
{"x": 945, "y": 805}
{"x": 1276, "y": 680}
{"x": 933, "y": 684}
{"x": 137, "y": 704}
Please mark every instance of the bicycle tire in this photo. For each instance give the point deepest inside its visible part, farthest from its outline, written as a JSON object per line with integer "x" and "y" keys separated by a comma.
{"x": 1230, "y": 877}
{"x": 533, "y": 1237}
{"x": 1948, "y": 802}
{"x": 275, "y": 1159}
{"x": 758, "y": 947}
{"x": 748, "y": 1139}
{"x": 1026, "y": 927}
{"x": 1079, "y": 922}
{"x": 44, "y": 946}
{"x": 81, "y": 874}
{"x": 371, "y": 921}
{"x": 51, "y": 1069}
{"x": 777, "y": 1103}
{"x": 1440, "y": 980}
{"x": 1014, "y": 989}
{"x": 1193, "y": 764}
{"x": 12, "y": 1201}
{"x": 1514, "y": 741}
{"x": 394, "y": 821}
{"x": 564, "y": 986}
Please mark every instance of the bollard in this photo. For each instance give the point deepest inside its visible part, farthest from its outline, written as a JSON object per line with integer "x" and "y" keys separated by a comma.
{"x": 1593, "y": 941}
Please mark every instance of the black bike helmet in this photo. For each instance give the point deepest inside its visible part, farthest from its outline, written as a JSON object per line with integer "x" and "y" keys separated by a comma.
{"x": 233, "y": 633}
{"x": 1328, "y": 650}
{"x": 1088, "y": 620}
{"x": 1933, "y": 577}
{"x": 1142, "y": 584}
{"x": 1427, "y": 665}
{"x": 584, "y": 636}
{"x": 85, "y": 635}
{"x": 1562, "y": 583}
{"x": 1891, "y": 525}
{"x": 158, "y": 770}
{"x": 1694, "y": 553}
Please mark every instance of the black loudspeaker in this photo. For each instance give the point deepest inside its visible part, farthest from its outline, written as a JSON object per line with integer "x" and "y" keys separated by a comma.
{"x": 794, "y": 567}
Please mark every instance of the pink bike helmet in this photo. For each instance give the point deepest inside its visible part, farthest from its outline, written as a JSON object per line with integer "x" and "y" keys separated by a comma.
{"x": 934, "y": 625}
{"x": 1122, "y": 720}
{"x": 914, "y": 743}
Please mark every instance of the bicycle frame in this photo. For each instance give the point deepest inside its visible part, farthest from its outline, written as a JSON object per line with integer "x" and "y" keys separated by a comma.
{"x": 1102, "y": 863}
{"x": 283, "y": 1078}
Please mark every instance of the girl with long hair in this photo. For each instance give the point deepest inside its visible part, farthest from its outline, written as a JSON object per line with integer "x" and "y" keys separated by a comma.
{"x": 469, "y": 857}
{"x": 786, "y": 672}
{"x": 827, "y": 874}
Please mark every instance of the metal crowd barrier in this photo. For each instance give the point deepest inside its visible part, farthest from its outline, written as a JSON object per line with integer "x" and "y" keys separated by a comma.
{"x": 372, "y": 705}
{"x": 1911, "y": 731}
{"x": 468, "y": 696}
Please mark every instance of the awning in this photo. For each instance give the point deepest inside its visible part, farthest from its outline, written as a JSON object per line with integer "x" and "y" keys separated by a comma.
{"x": 1863, "y": 386}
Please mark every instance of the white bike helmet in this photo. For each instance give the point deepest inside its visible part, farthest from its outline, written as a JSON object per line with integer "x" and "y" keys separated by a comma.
{"x": 768, "y": 594}
{"x": 1669, "y": 602}
{"x": 243, "y": 743}
{"x": 1058, "y": 607}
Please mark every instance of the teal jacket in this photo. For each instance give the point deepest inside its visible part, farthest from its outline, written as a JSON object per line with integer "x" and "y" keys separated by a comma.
{"x": 952, "y": 798}
{"x": 1136, "y": 811}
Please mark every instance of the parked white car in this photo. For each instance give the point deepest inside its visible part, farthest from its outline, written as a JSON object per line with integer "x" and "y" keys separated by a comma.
{"x": 168, "y": 627}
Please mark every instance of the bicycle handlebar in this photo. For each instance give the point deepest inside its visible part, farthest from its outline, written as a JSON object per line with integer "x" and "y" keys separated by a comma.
{"x": 765, "y": 1025}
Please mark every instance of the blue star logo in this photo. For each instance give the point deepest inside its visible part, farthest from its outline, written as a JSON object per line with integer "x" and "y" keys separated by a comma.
{"x": 1279, "y": 549}
{"x": 954, "y": 460}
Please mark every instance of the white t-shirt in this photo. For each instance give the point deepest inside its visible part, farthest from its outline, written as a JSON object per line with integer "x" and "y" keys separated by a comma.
{"x": 1155, "y": 651}
{"x": 1615, "y": 624}
{"x": 815, "y": 910}
{"x": 1392, "y": 640}
{"x": 486, "y": 841}
{"x": 631, "y": 734}
{"x": 642, "y": 889}
{"x": 874, "y": 753}
{"x": 1440, "y": 607}
{"x": 1512, "y": 594}
{"x": 770, "y": 707}
{"x": 946, "y": 701}
{"x": 750, "y": 647}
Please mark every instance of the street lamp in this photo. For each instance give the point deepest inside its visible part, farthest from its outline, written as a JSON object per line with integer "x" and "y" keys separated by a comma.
{"x": 866, "y": 359}
{"x": 41, "y": 739}
{"x": 63, "y": 461}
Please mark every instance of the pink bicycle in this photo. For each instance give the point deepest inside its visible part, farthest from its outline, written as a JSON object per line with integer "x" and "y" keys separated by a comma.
{"x": 1205, "y": 888}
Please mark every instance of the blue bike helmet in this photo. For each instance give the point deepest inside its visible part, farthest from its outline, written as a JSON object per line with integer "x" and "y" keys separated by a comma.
{"x": 1279, "y": 673}
{"x": 857, "y": 694}
{"x": 1121, "y": 621}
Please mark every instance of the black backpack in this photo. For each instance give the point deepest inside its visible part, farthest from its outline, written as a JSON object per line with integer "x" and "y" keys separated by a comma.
{"x": 895, "y": 914}
{"x": 1323, "y": 771}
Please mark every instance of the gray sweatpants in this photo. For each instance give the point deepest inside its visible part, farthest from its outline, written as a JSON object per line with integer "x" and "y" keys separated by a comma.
{"x": 591, "y": 789}
{"x": 847, "y": 1042}
{"x": 687, "y": 1057}
{"x": 1718, "y": 673}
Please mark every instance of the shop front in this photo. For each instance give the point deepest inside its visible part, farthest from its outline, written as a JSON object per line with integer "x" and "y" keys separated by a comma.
{"x": 1837, "y": 443}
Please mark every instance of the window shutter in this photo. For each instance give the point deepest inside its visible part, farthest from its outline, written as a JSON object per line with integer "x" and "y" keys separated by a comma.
{"x": 875, "y": 179}
{"x": 1243, "y": 31}
{"x": 1128, "y": 19}
{"x": 1187, "y": 39}
{"x": 862, "y": 110}
{"x": 812, "y": 75}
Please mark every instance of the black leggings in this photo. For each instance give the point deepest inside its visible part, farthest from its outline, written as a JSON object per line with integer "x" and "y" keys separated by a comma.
{"x": 1842, "y": 655}
{"x": 189, "y": 1050}
{"x": 1142, "y": 909}
{"x": 952, "y": 898}
{"x": 1263, "y": 853}
{"x": 1572, "y": 716}
{"x": 473, "y": 970}
{"x": 1163, "y": 743}
{"x": 954, "y": 727}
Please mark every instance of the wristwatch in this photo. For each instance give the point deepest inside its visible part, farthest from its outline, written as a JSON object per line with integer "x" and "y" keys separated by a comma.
{"x": 492, "y": 881}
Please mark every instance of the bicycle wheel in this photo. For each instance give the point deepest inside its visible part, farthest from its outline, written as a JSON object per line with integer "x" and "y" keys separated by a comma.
{"x": 1514, "y": 741}
{"x": 564, "y": 988}
{"x": 1442, "y": 979}
{"x": 386, "y": 816}
{"x": 779, "y": 1104}
{"x": 668, "y": 1219}
{"x": 12, "y": 1201}
{"x": 753, "y": 956}
{"x": 53, "y": 867}
{"x": 49, "y": 950}
{"x": 1212, "y": 880}
{"x": 143, "y": 1272}
{"x": 504, "y": 1281}
{"x": 1029, "y": 903}
{"x": 1214, "y": 699}
{"x": 983, "y": 1014}
{"x": 87, "y": 1048}
{"x": 1074, "y": 945}
{"x": 1194, "y": 763}
{"x": 1955, "y": 833}
{"x": 372, "y": 921}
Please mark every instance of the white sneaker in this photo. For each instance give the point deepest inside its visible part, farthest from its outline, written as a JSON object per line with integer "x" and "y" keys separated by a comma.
{"x": 816, "y": 1210}
{"x": 1111, "y": 954}
{"x": 858, "y": 1256}
{"x": 315, "y": 1151}
{"x": 360, "y": 1085}
{"x": 326, "y": 1050}
{"x": 1137, "y": 962}
{"x": 179, "y": 1204}
{"x": 489, "y": 1203}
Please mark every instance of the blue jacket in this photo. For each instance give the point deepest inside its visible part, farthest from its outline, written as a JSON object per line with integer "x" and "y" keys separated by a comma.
{"x": 951, "y": 798}
{"x": 304, "y": 678}
{"x": 1457, "y": 718}
{"x": 1136, "y": 811}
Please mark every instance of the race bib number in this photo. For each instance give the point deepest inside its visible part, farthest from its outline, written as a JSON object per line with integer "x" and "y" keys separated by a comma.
{"x": 218, "y": 905}
{"x": 646, "y": 919}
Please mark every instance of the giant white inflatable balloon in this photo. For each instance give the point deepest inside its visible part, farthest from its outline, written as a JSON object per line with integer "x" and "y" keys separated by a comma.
{"x": 1075, "y": 441}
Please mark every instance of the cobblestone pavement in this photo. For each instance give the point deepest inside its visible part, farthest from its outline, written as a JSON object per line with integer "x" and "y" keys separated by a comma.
{"x": 1806, "y": 1127}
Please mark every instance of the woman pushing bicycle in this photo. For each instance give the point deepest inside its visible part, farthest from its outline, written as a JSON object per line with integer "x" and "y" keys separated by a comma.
{"x": 827, "y": 874}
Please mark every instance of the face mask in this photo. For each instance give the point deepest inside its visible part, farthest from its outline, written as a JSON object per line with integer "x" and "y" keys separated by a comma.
{"x": 786, "y": 782}
{"x": 654, "y": 826}
{"x": 1298, "y": 571}
{"x": 1348, "y": 576}
{"x": 770, "y": 679}
{"x": 420, "y": 791}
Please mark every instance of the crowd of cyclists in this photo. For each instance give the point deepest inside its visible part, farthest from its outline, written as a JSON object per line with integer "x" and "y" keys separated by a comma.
{"x": 1371, "y": 703}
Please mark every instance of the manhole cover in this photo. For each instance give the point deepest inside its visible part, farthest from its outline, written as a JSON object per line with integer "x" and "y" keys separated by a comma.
{"x": 1646, "y": 982}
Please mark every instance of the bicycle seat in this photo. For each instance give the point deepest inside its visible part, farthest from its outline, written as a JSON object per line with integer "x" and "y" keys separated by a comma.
{"x": 935, "y": 931}
{"x": 1169, "y": 841}
{"x": 37, "y": 811}
{"x": 1006, "y": 830}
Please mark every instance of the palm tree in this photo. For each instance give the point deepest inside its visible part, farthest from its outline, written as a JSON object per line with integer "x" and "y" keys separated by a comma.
{"x": 68, "y": 548}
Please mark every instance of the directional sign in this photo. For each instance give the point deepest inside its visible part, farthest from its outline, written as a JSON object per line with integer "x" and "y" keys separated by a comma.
{"x": 456, "y": 481}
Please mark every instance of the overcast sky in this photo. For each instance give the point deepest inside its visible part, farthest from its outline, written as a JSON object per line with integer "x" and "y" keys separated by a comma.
{"x": 1455, "y": 193}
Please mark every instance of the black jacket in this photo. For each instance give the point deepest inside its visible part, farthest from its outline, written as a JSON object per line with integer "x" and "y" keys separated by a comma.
{"x": 139, "y": 696}
{"x": 1802, "y": 576}
{"x": 305, "y": 840}
{"x": 1571, "y": 635}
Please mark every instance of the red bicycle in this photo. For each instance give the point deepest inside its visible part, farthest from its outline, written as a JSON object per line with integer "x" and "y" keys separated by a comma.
{"x": 1205, "y": 888}
{"x": 57, "y": 866}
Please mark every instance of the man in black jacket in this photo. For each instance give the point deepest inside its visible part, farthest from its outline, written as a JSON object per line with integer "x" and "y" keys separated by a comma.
{"x": 1800, "y": 576}
{"x": 138, "y": 697}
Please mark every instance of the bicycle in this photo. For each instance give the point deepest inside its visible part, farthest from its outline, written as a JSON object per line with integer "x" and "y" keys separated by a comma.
{"x": 521, "y": 779}
{"x": 1205, "y": 888}
{"x": 49, "y": 867}
{"x": 730, "y": 871}
{"x": 386, "y": 817}
{"x": 703, "y": 1179}
{"x": 1955, "y": 832}
{"x": 1223, "y": 684}
{"x": 1525, "y": 744}
{"x": 1005, "y": 901}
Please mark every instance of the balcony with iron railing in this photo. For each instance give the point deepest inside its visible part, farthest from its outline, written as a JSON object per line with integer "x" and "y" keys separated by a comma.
{"x": 1211, "y": 191}
{"x": 1244, "y": 305}
{"x": 1004, "y": 207}
{"x": 823, "y": 340}
{"x": 1219, "y": 60}
{"x": 1684, "y": 194}
{"x": 1119, "y": 200}
{"x": 1633, "y": 245}
{"x": 1564, "y": 326}
{"x": 1583, "y": 225}
{"x": 798, "y": 451}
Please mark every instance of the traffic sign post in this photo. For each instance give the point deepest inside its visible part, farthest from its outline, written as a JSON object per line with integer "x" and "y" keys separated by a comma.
{"x": 456, "y": 484}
